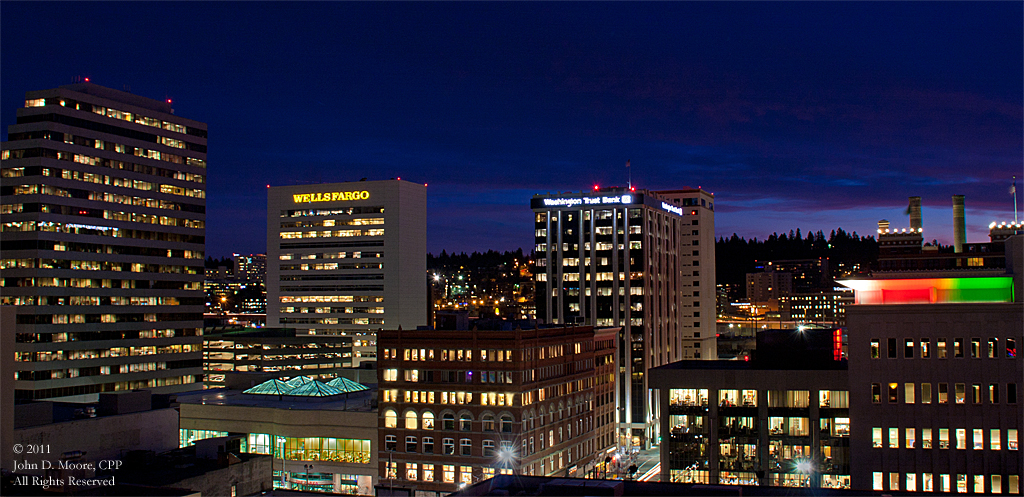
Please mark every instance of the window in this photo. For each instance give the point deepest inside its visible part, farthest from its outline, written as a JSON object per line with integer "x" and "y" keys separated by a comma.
{"x": 908, "y": 348}
{"x": 893, "y": 392}
{"x": 961, "y": 438}
{"x": 943, "y": 393}
{"x": 926, "y": 393}
{"x": 993, "y": 439}
{"x": 961, "y": 393}
{"x": 876, "y": 479}
{"x": 1011, "y": 439}
{"x": 926, "y": 438}
{"x": 876, "y": 393}
{"x": 976, "y": 348}
{"x": 894, "y": 438}
{"x": 876, "y": 438}
{"x": 410, "y": 420}
{"x": 488, "y": 447}
{"x": 958, "y": 347}
{"x": 1011, "y": 349}
{"x": 908, "y": 393}
{"x": 894, "y": 481}
{"x": 940, "y": 344}
{"x": 875, "y": 353}
{"x": 943, "y": 438}
{"x": 390, "y": 419}
{"x": 390, "y": 442}
{"x": 976, "y": 393}
{"x": 465, "y": 422}
{"x": 448, "y": 446}
{"x": 448, "y": 422}
{"x": 506, "y": 423}
{"x": 428, "y": 421}
{"x": 466, "y": 447}
{"x": 488, "y": 421}
{"x": 993, "y": 348}
{"x": 428, "y": 472}
{"x": 911, "y": 437}
{"x": 977, "y": 439}
{"x": 466, "y": 474}
{"x": 410, "y": 444}
{"x": 1011, "y": 393}
{"x": 911, "y": 482}
{"x": 428, "y": 446}
{"x": 892, "y": 348}
{"x": 926, "y": 349}
{"x": 448, "y": 473}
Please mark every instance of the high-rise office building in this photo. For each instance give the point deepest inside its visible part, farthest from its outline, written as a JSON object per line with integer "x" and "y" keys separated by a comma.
{"x": 103, "y": 203}
{"x": 347, "y": 259}
{"x": 640, "y": 260}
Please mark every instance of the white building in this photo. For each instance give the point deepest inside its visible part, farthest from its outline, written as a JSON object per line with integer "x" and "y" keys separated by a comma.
{"x": 347, "y": 259}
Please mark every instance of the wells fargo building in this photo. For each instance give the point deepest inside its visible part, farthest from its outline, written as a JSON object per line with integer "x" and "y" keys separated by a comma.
{"x": 347, "y": 258}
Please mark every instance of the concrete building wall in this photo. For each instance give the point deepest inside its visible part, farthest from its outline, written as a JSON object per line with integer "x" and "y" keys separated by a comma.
{"x": 357, "y": 245}
{"x": 105, "y": 437}
{"x": 7, "y": 320}
{"x": 909, "y": 371}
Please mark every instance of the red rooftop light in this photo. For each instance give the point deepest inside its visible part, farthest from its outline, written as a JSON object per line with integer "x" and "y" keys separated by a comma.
{"x": 168, "y": 100}
{"x": 595, "y": 188}
{"x": 86, "y": 80}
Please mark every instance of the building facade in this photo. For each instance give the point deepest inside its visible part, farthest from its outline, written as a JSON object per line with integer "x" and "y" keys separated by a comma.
{"x": 273, "y": 350}
{"x": 640, "y": 260}
{"x": 103, "y": 203}
{"x": 320, "y": 441}
{"x": 782, "y": 419}
{"x": 503, "y": 402}
{"x": 935, "y": 382}
{"x": 347, "y": 259}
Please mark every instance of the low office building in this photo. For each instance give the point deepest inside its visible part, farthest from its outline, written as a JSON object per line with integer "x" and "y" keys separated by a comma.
{"x": 936, "y": 377}
{"x": 781, "y": 419}
{"x": 322, "y": 436}
{"x": 492, "y": 402}
{"x": 273, "y": 350}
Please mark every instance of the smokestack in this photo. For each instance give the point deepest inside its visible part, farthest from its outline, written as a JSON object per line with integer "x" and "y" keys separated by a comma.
{"x": 959, "y": 224}
{"x": 915, "y": 213}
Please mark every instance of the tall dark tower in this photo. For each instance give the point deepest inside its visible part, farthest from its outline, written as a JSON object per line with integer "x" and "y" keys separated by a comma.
{"x": 915, "y": 213}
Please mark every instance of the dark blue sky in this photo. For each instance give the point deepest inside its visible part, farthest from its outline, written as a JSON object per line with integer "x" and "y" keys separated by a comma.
{"x": 807, "y": 115}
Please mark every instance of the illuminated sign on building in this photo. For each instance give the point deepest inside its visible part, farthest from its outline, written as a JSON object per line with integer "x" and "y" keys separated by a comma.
{"x": 603, "y": 200}
{"x": 671, "y": 208}
{"x": 932, "y": 290}
{"x": 330, "y": 196}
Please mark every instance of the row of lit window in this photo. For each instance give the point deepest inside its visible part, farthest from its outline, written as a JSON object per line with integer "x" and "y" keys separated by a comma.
{"x": 95, "y": 266}
{"x": 993, "y": 351}
{"x": 332, "y": 310}
{"x": 365, "y": 221}
{"x": 88, "y": 229}
{"x": 332, "y": 321}
{"x": 17, "y": 172}
{"x": 959, "y": 392}
{"x": 359, "y": 254}
{"x": 287, "y": 299}
{"x": 71, "y": 355}
{"x": 89, "y": 283}
{"x": 448, "y": 421}
{"x": 448, "y": 474}
{"x": 448, "y": 398}
{"x": 108, "y": 112}
{"x": 485, "y": 355}
{"x": 964, "y": 483}
{"x": 960, "y": 434}
{"x": 288, "y": 235}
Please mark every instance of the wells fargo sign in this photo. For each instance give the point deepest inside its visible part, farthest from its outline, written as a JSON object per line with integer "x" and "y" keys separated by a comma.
{"x": 302, "y": 198}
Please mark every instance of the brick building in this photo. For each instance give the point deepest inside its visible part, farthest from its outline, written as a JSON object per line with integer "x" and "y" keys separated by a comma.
{"x": 457, "y": 407}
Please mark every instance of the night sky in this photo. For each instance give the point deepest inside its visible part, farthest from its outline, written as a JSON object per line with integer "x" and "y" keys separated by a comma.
{"x": 810, "y": 115}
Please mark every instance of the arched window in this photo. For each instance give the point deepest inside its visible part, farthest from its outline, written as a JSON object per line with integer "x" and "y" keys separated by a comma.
{"x": 411, "y": 420}
{"x": 465, "y": 422}
{"x": 390, "y": 419}
{"x": 428, "y": 420}
{"x": 448, "y": 421}
{"x": 488, "y": 420}
{"x": 506, "y": 423}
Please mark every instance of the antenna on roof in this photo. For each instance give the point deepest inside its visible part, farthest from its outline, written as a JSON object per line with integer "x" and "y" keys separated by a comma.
{"x": 629, "y": 180}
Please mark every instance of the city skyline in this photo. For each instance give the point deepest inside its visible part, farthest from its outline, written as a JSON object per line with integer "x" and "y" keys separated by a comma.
{"x": 810, "y": 116}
